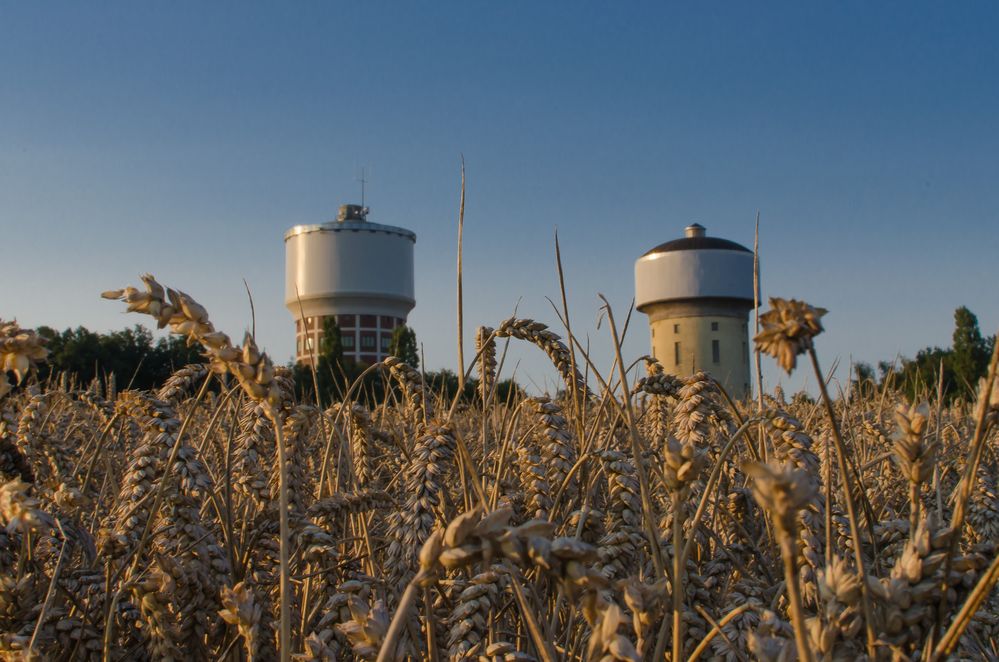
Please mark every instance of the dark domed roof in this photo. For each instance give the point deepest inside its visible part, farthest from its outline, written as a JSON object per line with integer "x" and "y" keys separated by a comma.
{"x": 696, "y": 244}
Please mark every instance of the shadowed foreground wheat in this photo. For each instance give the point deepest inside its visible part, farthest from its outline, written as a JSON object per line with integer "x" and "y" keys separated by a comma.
{"x": 219, "y": 518}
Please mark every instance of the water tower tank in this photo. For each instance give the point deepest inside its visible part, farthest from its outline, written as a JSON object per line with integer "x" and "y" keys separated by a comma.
{"x": 697, "y": 292}
{"x": 357, "y": 272}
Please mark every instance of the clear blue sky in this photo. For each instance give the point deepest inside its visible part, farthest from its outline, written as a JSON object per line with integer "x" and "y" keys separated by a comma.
{"x": 184, "y": 138}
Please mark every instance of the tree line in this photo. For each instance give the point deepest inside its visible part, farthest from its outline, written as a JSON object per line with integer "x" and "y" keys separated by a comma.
{"x": 131, "y": 358}
{"x": 955, "y": 369}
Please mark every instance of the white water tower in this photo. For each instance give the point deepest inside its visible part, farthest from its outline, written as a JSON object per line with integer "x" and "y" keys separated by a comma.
{"x": 357, "y": 272}
{"x": 697, "y": 292}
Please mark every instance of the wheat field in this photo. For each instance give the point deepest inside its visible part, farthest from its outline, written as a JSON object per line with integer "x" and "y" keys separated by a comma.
{"x": 219, "y": 518}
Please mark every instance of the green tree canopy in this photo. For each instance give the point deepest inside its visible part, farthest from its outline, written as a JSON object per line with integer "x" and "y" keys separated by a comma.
{"x": 970, "y": 354}
{"x": 129, "y": 355}
{"x": 404, "y": 345}
{"x": 331, "y": 346}
{"x": 333, "y": 374}
{"x": 960, "y": 366}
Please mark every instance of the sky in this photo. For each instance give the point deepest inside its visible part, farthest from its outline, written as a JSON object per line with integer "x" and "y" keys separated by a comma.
{"x": 184, "y": 138}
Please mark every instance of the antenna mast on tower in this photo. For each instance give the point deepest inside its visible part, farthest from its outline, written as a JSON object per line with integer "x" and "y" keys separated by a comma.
{"x": 363, "y": 181}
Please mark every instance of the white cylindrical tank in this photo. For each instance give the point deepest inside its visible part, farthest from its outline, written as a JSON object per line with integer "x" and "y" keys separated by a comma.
{"x": 358, "y": 273}
{"x": 697, "y": 291}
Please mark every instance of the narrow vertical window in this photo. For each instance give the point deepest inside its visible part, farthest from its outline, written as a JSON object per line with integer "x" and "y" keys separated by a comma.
{"x": 715, "y": 351}
{"x": 676, "y": 328}
{"x": 714, "y": 326}
{"x": 676, "y": 353}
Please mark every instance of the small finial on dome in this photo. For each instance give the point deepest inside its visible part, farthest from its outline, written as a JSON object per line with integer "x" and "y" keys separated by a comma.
{"x": 694, "y": 230}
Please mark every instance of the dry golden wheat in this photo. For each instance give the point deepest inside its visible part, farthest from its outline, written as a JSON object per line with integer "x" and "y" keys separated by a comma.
{"x": 219, "y": 518}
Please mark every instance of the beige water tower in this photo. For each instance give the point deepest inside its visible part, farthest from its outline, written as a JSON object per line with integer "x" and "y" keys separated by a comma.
{"x": 697, "y": 292}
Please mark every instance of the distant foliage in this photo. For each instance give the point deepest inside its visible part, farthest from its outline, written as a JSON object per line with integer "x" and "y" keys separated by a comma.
{"x": 963, "y": 365}
{"x": 971, "y": 352}
{"x": 404, "y": 345}
{"x": 445, "y": 382}
{"x": 331, "y": 372}
{"x": 331, "y": 346}
{"x": 130, "y": 355}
